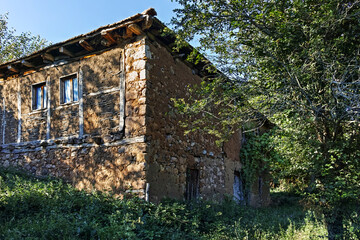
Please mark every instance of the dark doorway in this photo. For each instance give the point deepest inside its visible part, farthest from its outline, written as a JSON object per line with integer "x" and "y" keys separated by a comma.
{"x": 192, "y": 184}
{"x": 239, "y": 188}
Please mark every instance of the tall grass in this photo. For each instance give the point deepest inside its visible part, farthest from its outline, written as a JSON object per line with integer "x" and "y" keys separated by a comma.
{"x": 31, "y": 208}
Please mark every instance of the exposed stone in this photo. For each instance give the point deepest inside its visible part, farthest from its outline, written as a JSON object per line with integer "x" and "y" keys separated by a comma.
{"x": 144, "y": 74}
{"x": 130, "y": 95}
{"x": 139, "y": 65}
{"x": 121, "y": 150}
{"x": 133, "y": 76}
{"x": 6, "y": 164}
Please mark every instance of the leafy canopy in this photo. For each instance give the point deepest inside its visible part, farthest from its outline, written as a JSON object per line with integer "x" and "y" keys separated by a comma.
{"x": 14, "y": 46}
{"x": 294, "y": 62}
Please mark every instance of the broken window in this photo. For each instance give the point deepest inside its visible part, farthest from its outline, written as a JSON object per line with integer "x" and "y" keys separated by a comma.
{"x": 39, "y": 96}
{"x": 69, "y": 89}
{"x": 192, "y": 184}
{"x": 239, "y": 188}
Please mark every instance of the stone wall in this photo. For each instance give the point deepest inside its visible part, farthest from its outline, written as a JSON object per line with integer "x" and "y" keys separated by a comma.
{"x": 171, "y": 153}
{"x": 97, "y": 142}
{"x": 11, "y": 114}
{"x": 2, "y": 110}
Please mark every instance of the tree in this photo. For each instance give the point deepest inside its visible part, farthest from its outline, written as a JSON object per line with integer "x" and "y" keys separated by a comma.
{"x": 15, "y": 46}
{"x": 296, "y": 62}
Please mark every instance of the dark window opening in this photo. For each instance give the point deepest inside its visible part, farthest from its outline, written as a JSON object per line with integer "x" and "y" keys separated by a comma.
{"x": 239, "y": 187}
{"x": 39, "y": 96}
{"x": 69, "y": 89}
{"x": 261, "y": 184}
{"x": 192, "y": 184}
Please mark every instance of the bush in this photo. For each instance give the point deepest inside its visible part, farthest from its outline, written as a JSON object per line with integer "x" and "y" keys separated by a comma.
{"x": 32, "y": 208}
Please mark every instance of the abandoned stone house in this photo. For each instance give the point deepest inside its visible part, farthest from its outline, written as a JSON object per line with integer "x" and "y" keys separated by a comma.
{"x": 95, "y": 110}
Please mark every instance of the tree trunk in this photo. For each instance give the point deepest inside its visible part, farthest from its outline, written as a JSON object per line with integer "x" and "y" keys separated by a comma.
{"x": 334, "y": 224}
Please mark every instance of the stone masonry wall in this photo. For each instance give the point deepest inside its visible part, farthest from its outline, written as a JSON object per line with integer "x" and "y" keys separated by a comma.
{"x": 84, "y": 142}
{"x": 1, "y": 112}
{"x": 170, "y": 153}
{"x": 11, "y": 116}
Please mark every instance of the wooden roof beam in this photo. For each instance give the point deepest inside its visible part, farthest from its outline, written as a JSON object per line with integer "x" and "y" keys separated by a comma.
{"x": 135, "y": 29}
{"x": 86, "y": 45}
{"x": 48, "y": 57}
{"x": 27, "y": 64}
{"x": 12, "y": 68}
{"x": 147, "y": 22}
{"x": 108, "y": 36}
{"x": 127, "y": 33}
{"x": 65, "y": 51}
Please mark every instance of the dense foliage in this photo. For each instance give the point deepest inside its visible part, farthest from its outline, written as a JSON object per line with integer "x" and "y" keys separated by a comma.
{"x": 13, "y": 46}
{"x": 31, "y": 208}
{"x": 297, "y": 64}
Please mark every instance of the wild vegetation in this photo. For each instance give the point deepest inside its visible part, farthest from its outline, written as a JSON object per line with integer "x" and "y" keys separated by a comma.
{"x": 32, "y": 208}
{"x": 296, "y": 64}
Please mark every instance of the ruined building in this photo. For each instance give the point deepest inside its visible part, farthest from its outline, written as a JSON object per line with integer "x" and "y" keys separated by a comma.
{"x": 94, "y": 110}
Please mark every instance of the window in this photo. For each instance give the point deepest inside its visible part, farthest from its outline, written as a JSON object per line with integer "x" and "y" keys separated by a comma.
{"x": 69, "y": 89}
{"x": 39, "y": 96}
{"x": 192, "y": 184}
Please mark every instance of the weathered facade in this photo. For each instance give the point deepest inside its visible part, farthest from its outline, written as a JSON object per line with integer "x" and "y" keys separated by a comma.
{"x": 95, "y": 110}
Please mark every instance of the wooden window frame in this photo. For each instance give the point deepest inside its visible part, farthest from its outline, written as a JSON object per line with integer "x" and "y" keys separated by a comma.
{"x": 70, "y": 77}
{"x": 43, "y": 104}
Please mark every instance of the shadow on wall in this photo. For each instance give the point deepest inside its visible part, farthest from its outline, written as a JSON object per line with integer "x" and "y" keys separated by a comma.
{"x": 107, "y": 168}
{"x": 9, "y": 126}
{"x": 94, "y": 166}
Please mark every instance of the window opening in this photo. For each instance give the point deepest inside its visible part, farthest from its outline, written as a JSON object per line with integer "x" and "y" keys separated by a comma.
{"x": 39, "y": 96}
{"x": 69, "y": 89}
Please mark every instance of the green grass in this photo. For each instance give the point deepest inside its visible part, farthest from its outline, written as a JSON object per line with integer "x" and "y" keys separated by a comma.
{"x": 31, "y": 208}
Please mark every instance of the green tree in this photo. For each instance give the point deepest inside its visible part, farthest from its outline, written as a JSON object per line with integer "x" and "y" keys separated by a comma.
{"x": 296, "y": 62}
{"x": 13, "y": 46}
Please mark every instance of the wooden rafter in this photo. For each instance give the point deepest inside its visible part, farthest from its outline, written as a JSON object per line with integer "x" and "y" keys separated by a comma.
{"x": 65, "y": 51}
{"x": 48, "y": 57}
{"x": 108, "y": 36}
{"x": 127, "y": 33}
{"x": 12, "y": 68}
{"x": 86, "y": 45}
{"x": 135, "y": 29}
{"x": 27, "y": 64}
{"x": 147, "y": 22}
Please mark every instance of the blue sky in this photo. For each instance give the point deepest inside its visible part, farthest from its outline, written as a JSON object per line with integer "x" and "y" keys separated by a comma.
{"x": 60, "y": 20}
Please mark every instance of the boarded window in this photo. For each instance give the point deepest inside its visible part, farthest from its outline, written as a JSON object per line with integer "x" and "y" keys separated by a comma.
{"x": 192, "y": 184}
{"x": 39, "y": 96}
{"x": 69, "y": 89}
{"x": 239, "y": 188}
